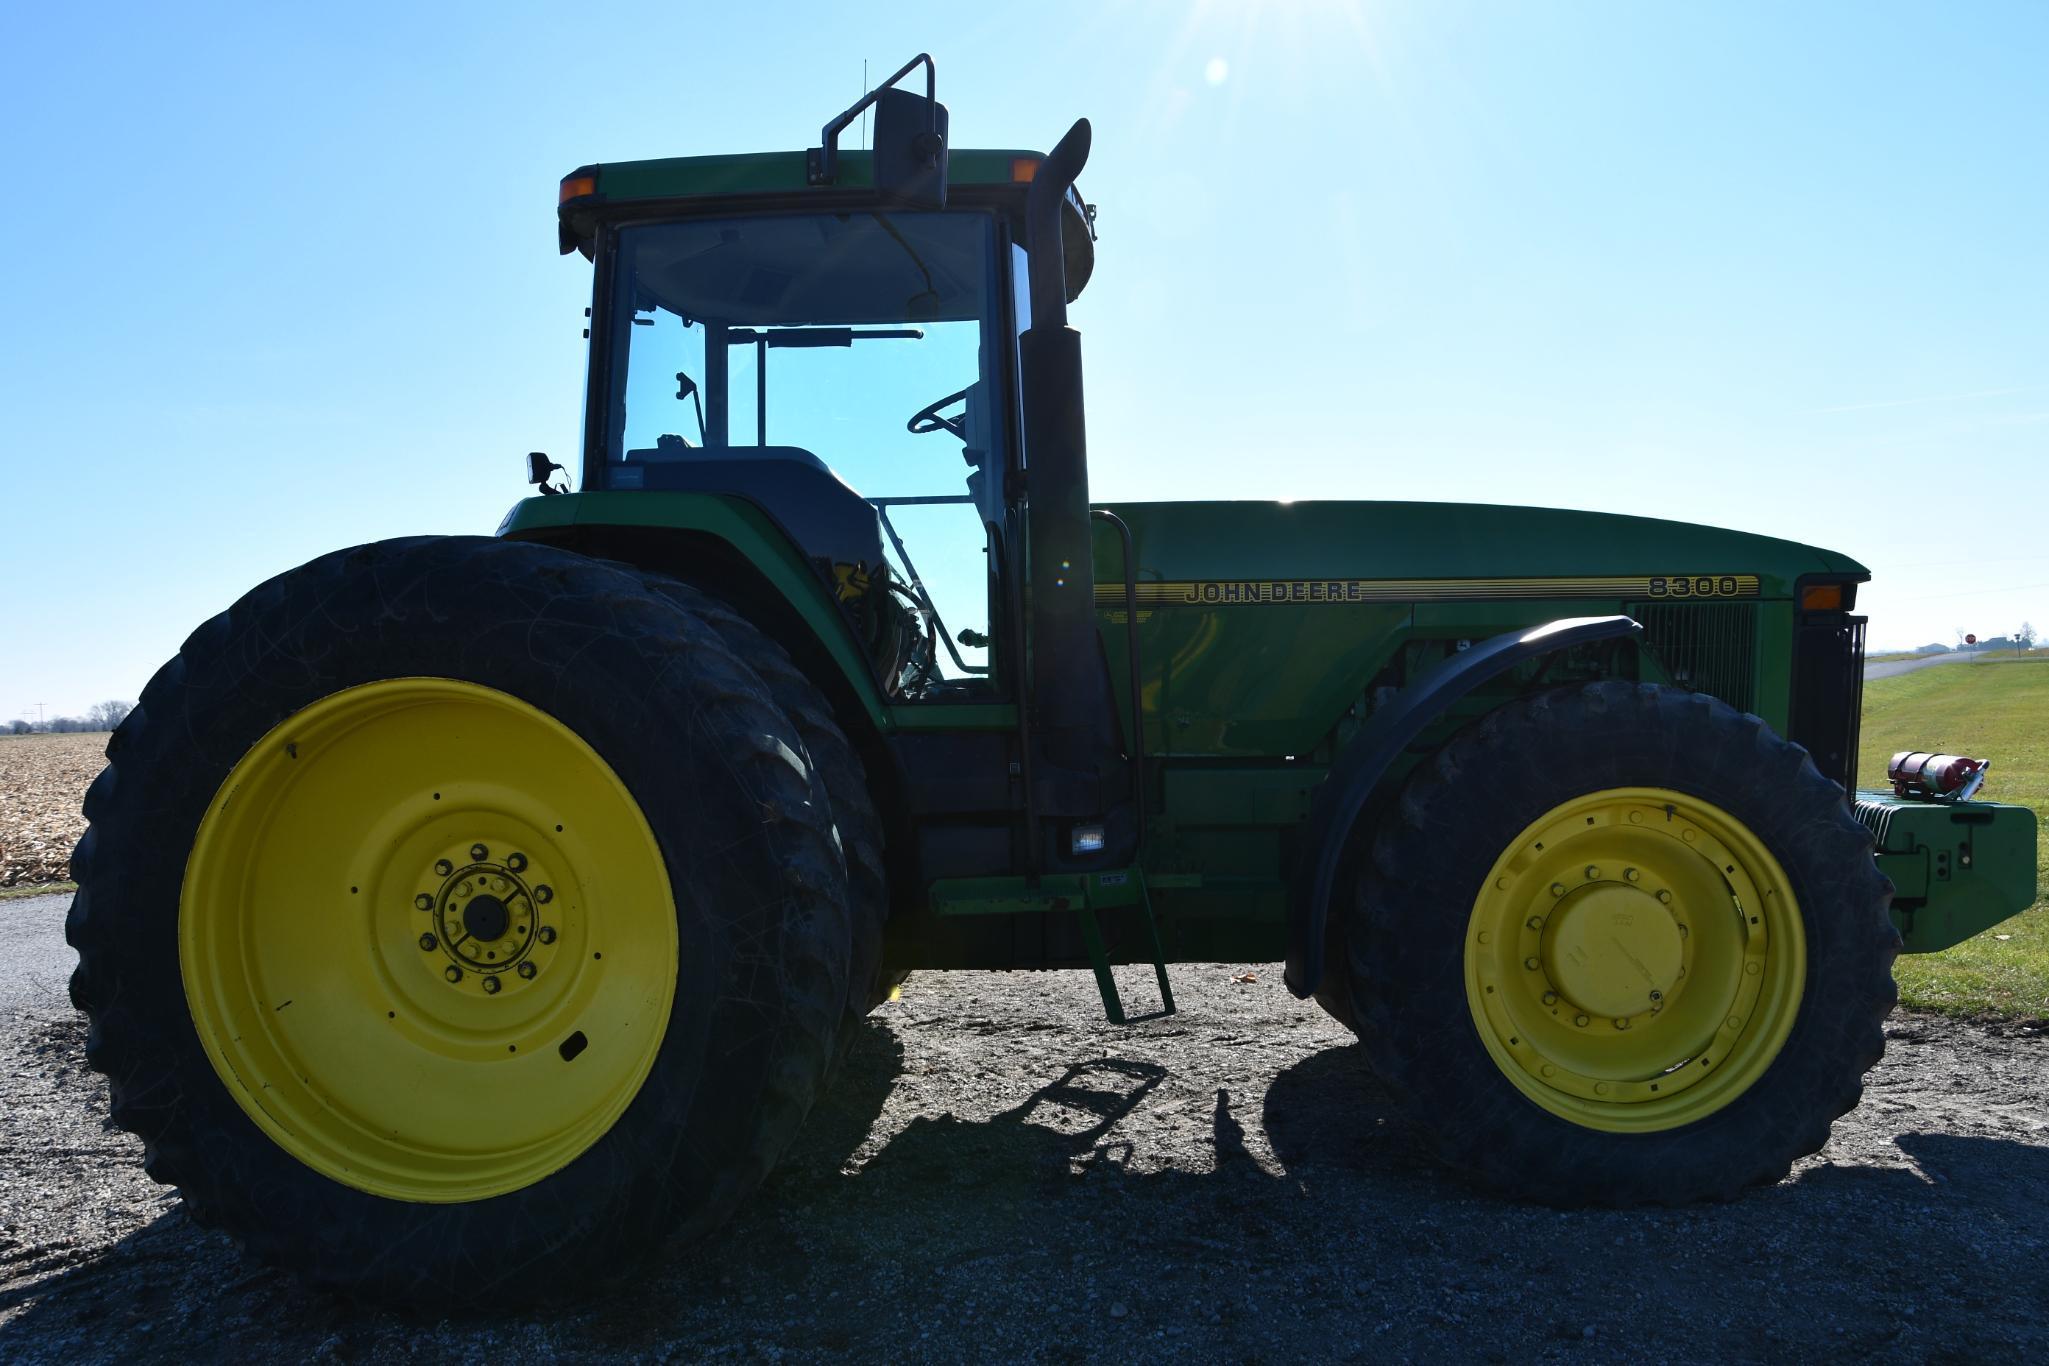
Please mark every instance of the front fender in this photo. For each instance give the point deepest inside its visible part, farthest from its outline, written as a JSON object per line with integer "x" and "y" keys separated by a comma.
{"x": 1364, "y": 762}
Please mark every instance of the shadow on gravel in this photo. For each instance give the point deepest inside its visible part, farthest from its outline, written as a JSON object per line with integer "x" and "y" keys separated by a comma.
{"x": 1981, "y": 1166}
{"x": 1122, "y": 1207}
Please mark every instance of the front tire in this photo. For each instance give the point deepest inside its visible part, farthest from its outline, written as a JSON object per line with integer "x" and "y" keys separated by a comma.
{"x": 1621, "y": 944}
{"x": 456, "y": 920}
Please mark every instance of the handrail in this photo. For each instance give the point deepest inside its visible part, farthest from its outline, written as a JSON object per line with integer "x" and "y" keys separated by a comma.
{"x": 1138, "y": 789}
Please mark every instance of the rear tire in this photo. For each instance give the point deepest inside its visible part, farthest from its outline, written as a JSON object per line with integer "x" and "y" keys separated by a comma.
{"x": 839, "y": 767}
{"x": 1582, "y": 1073}
{"x": 754, "y": 905}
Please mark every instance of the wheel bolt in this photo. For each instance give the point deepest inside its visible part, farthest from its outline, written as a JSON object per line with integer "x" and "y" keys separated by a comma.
{"x": 454, "y": 973}
{"x": 527, "y": 970}
{"x": 1580, "y": 1020}
{"x": 544, "y": 894}
{"x": 428, "y": 943}
{"x": 1535, "y": 922}
{"x": 1619, "y": 1024}
{"x": 443, "y": 867}
{"x": 1558, "y": 889}
{"x": 478, "y": 853}
{"x": 1530, "y": 963}
{"x": 517, "y": 863}
{"x": 1657, "y": 996}
{"x": 1593, "y": 873}
{"x": 1550, "y": 998}
{"x": 1664, "y": 896}
{"x": 424, "y": 902}
{"x": 490, "y": 986}
{"x": 546, "y": 934}
{"x": 1631, "y": 874}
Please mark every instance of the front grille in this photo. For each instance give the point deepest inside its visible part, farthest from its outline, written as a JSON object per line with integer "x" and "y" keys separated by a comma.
{"x": 1877, "y": 818}
{"x": 1710, "y": 647}
{"x": 1828, "y": 691}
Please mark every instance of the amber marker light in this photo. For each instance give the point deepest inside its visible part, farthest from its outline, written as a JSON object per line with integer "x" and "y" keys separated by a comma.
{"x": 1023, "y": 169}
{"x": 577, "y": 186}
{"x": 1821, "y": 597}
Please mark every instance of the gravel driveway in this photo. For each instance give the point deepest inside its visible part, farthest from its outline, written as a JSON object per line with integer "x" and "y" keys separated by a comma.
{"x": 1000, "y": 1173}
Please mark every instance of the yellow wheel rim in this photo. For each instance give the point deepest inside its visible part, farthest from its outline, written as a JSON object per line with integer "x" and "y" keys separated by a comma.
{"x": 427, "y": 939}
{"x": 1635, "y": 960}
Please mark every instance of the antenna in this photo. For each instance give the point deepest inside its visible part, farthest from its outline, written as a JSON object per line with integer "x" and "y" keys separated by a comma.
{"x": 864, "y": 110}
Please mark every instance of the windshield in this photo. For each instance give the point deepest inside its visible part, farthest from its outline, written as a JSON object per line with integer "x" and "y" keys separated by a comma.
{"x": 863, "y": 339}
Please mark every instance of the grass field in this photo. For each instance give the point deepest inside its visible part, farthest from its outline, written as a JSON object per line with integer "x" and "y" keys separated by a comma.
{"x": 1998, "y": 710}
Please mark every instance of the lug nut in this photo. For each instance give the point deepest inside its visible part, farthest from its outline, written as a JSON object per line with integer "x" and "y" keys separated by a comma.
{"x": 478, "y": 853}
{"x": 443, "y": 867}
{"x": 1530, "y": 963}
{"x": 1631, "y": 874}
{"x": 1657, "y": 996}
{"x": 454, "y": 973}
{"x": 490, "y": 986}
{"x": 1664, "y": 896}
{"x": 1535, "y": 922}
{"x": 424, "y": 902}
{"x": 544, "y": 894}
{"x": 428, "y": 943}
{"x": 517, "y": 862}
{"x": 546, "y": 934}
{"x": 1619, "y": 1024}
{"x": 1550, "y": 998}
{"x": 526, "y": 970}
{"x": 1558, "y": 889}
{"x": 1593, "y": 873}
{"x": 1580, "y": 1020}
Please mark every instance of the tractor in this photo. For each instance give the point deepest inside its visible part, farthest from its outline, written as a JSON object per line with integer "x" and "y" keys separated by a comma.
{"x": 460, "y": 916}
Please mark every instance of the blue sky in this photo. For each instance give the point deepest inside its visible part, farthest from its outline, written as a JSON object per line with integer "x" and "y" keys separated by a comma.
{"x": 280, "y": 279}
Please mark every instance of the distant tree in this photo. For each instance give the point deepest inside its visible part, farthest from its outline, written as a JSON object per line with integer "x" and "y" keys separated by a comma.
{"x": 20, "y": 727}
{"x": 2025, "y": 637}
{"x": 107, "y": 715}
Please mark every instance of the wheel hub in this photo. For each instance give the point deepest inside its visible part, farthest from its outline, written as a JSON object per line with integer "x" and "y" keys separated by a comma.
{"x": 487, "y": 919}
{"x": 1613, "y": 950}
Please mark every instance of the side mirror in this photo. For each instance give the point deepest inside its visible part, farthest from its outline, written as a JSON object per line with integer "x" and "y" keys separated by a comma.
{"x": 538, "y": 468}
{"x": 910, "y": 148}
{"x": 910, "y": 141}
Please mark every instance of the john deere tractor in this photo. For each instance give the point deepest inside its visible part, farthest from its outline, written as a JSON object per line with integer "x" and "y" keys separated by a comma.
{"x": 460, "y": 915}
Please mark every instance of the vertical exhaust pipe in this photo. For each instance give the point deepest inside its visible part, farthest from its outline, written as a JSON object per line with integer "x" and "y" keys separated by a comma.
{"x": 1073, "y": 723}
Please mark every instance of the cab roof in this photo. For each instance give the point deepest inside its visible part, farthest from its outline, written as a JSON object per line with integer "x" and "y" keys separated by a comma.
{"x": 979, "y": 177}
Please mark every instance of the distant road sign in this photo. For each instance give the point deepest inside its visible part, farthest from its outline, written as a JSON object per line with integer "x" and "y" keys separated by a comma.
{"x": 1970, "y": 640}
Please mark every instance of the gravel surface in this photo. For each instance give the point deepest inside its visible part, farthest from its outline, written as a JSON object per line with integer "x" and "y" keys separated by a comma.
{"x": 1000, "y": 1173}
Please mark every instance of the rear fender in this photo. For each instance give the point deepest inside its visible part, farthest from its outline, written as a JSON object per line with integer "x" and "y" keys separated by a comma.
{"x": 730, "y": 548}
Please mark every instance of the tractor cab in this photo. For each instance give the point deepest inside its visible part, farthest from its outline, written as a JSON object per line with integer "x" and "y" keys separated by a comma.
{"x": 850, "y": 372}
{"x": 834, "y": 337}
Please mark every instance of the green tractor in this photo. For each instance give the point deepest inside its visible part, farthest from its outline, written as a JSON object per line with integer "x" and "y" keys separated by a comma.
{"x": 460, "y": 915}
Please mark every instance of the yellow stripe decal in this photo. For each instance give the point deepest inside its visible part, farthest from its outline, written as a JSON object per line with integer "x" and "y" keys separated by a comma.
{"x": 1267, "y": 592}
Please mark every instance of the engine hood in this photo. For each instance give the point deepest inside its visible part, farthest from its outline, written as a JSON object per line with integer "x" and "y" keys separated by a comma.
{"x": 1307, "y": 541}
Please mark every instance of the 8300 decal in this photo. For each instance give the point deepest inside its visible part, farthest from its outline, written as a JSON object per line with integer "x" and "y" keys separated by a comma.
{"x": 1704, "y": 586}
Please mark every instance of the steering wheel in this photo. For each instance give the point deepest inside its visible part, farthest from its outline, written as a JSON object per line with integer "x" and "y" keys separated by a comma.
{"x": 927, "y": 419}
